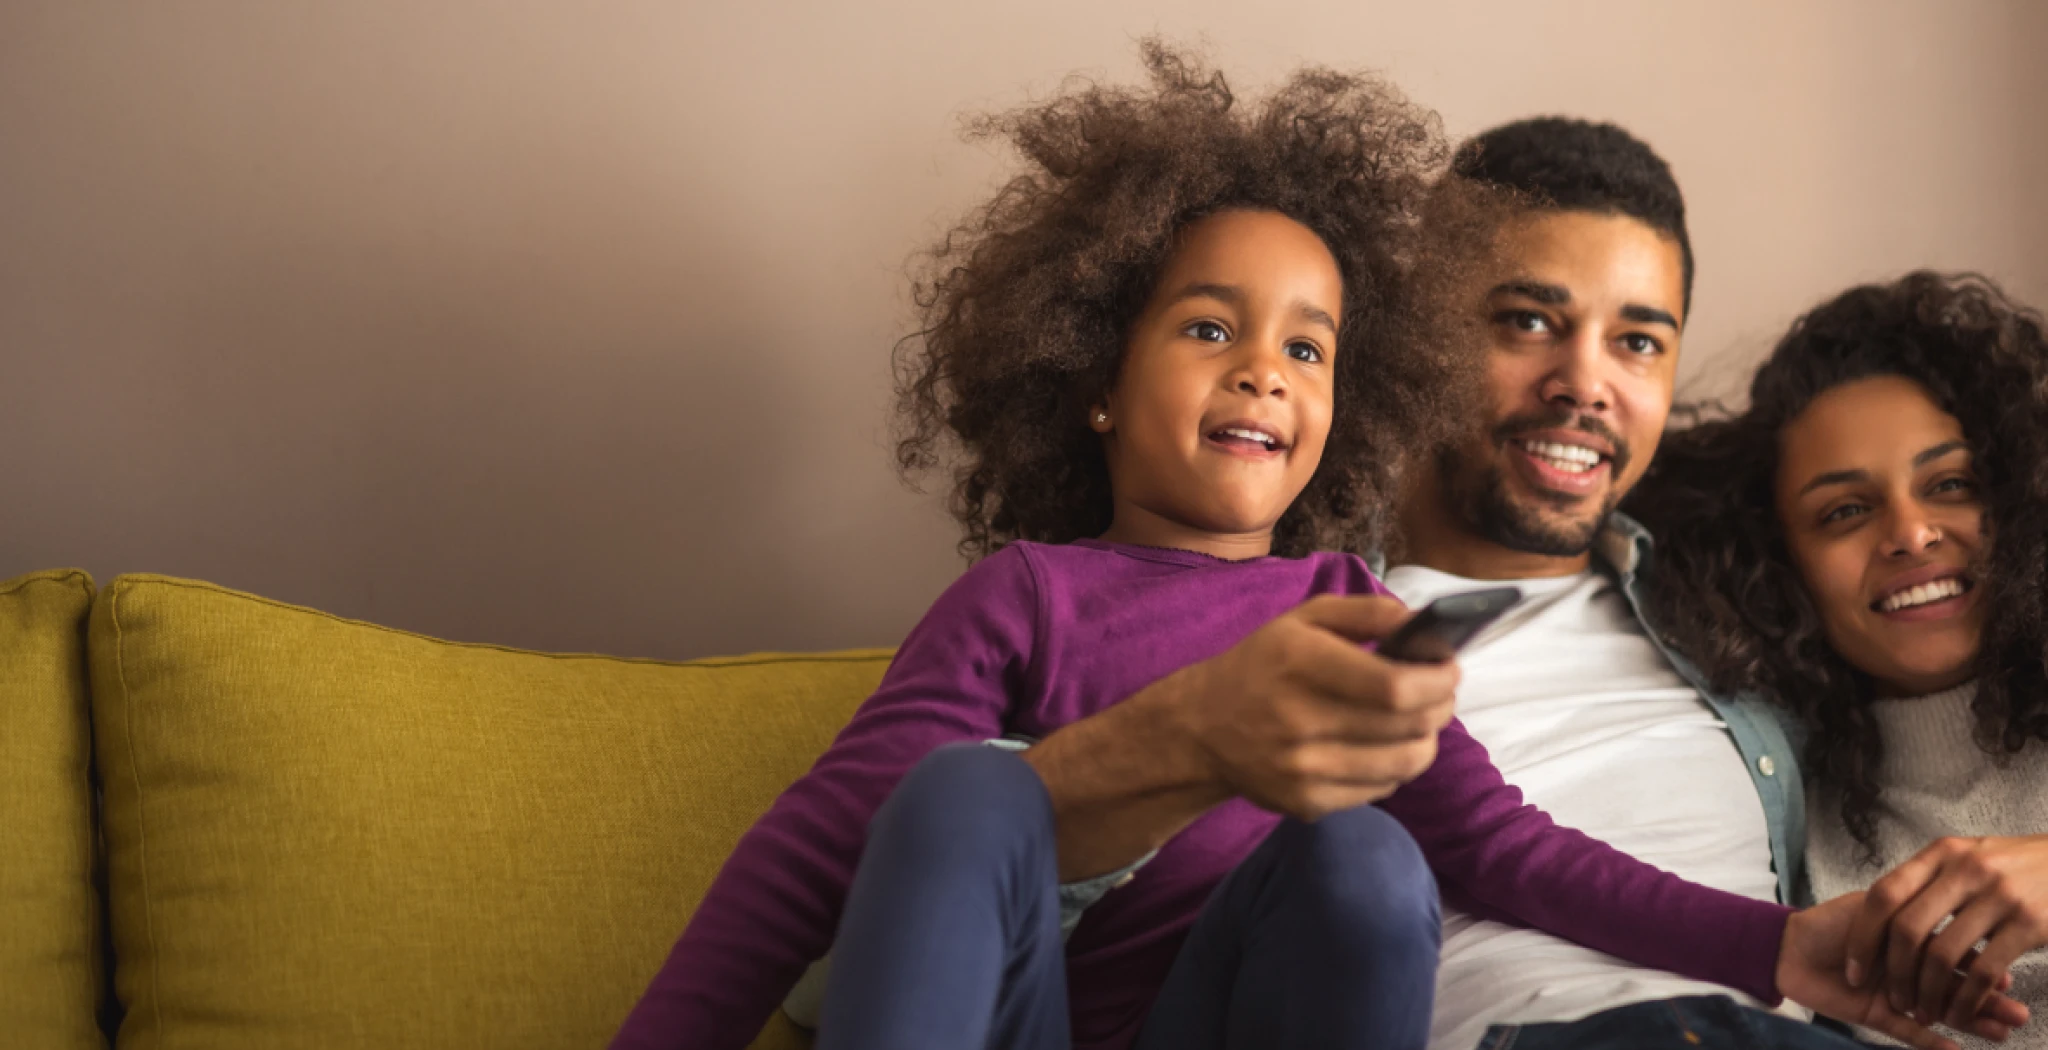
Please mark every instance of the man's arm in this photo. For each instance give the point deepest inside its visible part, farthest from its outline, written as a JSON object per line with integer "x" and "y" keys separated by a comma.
{"x": 1297, "y": 718}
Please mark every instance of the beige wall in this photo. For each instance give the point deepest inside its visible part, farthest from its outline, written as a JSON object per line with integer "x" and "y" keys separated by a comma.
{"x": 565, "y": 325}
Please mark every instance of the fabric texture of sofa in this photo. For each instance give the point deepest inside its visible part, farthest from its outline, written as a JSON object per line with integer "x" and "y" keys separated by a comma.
{"x": 316, "y": 832}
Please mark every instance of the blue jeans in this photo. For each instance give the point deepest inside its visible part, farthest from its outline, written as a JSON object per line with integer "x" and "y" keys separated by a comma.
{"x": 1701, "y": 1022}
{"x": 1326, "y": 936}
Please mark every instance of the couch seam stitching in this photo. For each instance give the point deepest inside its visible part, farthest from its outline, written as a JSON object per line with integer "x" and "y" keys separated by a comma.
{"x": 156, "y": 999}
{"x": 49, "y": 576}
{"x": 742, "y": 661}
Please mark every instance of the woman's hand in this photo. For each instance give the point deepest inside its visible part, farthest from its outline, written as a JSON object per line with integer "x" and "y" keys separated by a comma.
{"x": 1997, "y": 891}
{"x": 1810, "y": 973}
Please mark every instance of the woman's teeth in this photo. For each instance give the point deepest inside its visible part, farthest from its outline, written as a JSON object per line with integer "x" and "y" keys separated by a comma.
{"x": 1924, "y": 594}
{"x": 1259, "y": 436}
{"x": 1572, "y": 459}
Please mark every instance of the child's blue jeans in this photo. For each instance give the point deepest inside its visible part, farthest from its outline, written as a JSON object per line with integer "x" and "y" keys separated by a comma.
{"x": 1326, "y": 936}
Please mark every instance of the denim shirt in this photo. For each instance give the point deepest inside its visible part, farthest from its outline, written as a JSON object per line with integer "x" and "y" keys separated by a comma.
{"x": 1758, "y": 726}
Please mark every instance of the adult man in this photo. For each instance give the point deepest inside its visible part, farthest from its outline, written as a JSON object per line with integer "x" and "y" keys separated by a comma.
{"x": 1579, "y": 704}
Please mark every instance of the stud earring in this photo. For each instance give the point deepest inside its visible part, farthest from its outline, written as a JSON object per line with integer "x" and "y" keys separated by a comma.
{"x": 1101, "y": 417}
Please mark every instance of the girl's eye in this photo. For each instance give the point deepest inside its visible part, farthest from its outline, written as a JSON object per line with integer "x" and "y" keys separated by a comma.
{"x": 1844, "y": 513}
{"x": 1638, "y": 343}
{"x": 1208, "y": 332}
{"x": 1308, "y": 352}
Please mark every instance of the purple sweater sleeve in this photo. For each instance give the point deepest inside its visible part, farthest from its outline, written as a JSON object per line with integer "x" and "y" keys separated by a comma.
{"x": 1503, "y": 859}
{"x": 775, "y": 905}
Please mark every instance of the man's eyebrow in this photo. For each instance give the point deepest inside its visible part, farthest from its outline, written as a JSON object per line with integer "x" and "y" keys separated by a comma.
{"x": 1547, "y": 294}
{"x": 1639, "y": 314}
{"x": 1835, "y": 477}
{"x": 1939, "y": 451}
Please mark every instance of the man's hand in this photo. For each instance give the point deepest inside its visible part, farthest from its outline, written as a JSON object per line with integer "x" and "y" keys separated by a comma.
{"x": 1811, "y": 972}
{"x": 1300, "y": 720}
{"x": 1997, "y": 891}
{"x": 1297, "y": 718}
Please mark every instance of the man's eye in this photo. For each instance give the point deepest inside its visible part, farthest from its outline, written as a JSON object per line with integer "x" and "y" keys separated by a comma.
{"x": 1526, "y": 321}
{"x": 1308, "y": 352}
{"x": 1843, "y": 513}
{"x": 1638, "y": 343}
{"x": 1209, "y": 332}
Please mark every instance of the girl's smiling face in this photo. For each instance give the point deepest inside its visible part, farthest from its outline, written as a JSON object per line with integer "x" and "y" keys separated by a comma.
{"x": 1222, "y": 405}
{"x": 1882, "y": 515}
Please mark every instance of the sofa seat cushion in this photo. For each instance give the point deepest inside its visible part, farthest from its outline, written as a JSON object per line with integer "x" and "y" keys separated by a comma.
{"x": 323, "y": 833}
{"x": 52, "y": 971}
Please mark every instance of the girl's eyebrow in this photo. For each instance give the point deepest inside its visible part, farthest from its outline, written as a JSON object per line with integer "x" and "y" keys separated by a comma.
{"x": 1229, "y": 293}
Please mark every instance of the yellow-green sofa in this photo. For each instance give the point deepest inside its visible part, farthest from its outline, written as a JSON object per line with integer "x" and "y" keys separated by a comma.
{"x": 231, "y": 823}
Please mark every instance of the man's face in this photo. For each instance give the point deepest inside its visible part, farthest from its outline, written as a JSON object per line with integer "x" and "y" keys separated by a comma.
{"x": 1583, "y": 335}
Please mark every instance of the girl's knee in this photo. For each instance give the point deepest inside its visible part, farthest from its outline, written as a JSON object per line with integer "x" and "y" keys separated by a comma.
{"x": 965, "y": 799}
{"x": 1362, "y": 866}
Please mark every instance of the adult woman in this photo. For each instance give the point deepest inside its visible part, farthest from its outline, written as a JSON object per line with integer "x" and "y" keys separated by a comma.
{"x": 1868, "y": 544}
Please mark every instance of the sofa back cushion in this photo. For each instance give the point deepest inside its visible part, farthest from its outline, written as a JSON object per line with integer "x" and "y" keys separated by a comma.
{"x": 52, "y": 971}
{"x": 324, "y": 833}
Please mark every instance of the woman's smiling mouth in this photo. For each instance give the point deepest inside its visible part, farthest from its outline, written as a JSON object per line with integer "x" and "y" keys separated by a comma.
{"x": 1924, "y": 599}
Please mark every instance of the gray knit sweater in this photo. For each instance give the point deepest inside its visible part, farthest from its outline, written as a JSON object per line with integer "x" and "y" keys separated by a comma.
{"x": 1935, "y": 781}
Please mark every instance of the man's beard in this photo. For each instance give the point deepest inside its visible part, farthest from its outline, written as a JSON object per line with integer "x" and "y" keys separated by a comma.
{"x": 1478, "y": 493}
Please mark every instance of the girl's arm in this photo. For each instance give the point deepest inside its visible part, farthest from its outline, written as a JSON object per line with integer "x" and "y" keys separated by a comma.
{"x": 1501, "y": 858}
{"x": 774, "y": 906}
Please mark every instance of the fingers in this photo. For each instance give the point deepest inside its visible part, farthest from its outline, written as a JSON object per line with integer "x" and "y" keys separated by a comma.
{"x": 1323, "y": 777}
{"x": 1990, "y": 975}
{"x": 1943, "y": 992}
{"x": 1904, "y": 1029}
{"x": 1359, "y": 618}
{"x": 1334, "y": 669}
{"x": 1866, "y": 942}
{"x": 1912, "y": 926}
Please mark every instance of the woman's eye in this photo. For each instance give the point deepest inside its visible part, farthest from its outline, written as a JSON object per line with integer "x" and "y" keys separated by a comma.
{"x": 1638, "y": 343}
{"x": 1843, "y": 513}
{"x": 1951, "y": 485}
{"x": 1209, "y": 332}
{"x": 1308, "y": 352}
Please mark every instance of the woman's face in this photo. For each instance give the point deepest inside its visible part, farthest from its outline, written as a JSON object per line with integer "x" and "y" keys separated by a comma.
{"x": 1882, "y": 515}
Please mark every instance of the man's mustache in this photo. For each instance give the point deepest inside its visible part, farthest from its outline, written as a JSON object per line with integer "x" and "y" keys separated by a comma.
{"x": 1530, "y": 423}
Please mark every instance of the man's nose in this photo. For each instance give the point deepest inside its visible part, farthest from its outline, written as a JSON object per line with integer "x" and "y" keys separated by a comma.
{"x": 1579, "y": 380}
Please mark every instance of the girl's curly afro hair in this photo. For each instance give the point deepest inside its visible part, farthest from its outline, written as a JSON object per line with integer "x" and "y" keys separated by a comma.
{"x": 1723, "y": 583}
{"x": 1025, "y": 305}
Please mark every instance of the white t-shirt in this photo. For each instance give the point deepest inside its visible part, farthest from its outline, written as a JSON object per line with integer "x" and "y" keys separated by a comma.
{"x": 1581, "y": 712}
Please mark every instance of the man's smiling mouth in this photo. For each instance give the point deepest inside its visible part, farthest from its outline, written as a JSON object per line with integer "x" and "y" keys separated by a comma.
{"x": 1569, "y": 458}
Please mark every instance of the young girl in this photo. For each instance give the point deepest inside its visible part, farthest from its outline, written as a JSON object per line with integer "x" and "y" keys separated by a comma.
{"x": 1868, "y": 545}
{"x": 1189, "y": 348}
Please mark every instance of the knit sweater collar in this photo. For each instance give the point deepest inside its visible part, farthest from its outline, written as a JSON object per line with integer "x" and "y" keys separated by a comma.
{"x": 1927, "y": 736}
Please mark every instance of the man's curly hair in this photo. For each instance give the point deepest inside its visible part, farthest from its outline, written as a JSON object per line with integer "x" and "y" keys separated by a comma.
{"x": 1026, "y": 305}
{"x": 1724, "y": 585}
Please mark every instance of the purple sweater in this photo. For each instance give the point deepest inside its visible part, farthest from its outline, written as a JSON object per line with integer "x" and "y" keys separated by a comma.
{"x": 1038, "y": 636}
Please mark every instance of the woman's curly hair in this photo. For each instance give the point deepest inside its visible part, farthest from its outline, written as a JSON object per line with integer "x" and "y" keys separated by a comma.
{"x": 1026, "y": 305}
{"x": 1725, "y": 588}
